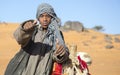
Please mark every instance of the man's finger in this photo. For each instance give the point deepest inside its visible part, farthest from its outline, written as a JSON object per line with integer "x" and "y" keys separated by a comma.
{"x": 62, "y": 52}
{"x": 34, "y": 22}
{"x": 59, "y": 49}
{"x": 57, "y": 44}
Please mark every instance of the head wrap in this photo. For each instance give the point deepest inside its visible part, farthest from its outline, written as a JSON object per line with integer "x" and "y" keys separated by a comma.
{"x": 45, "y": 8}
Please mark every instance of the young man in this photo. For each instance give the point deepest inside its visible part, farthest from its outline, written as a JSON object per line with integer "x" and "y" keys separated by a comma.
{"x": 41, "y": 45}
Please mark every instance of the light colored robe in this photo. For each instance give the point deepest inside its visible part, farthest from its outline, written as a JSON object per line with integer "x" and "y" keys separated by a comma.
{"x": 36, "y": 54}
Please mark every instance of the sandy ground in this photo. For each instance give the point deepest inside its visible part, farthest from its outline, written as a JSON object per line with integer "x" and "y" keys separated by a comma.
{"x": 104, "y": 61}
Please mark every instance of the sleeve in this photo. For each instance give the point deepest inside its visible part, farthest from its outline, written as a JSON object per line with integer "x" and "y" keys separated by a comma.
{"x": 22, "y": 36}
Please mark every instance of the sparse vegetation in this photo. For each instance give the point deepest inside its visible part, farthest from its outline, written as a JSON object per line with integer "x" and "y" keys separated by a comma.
{"x": 98, "y": 28}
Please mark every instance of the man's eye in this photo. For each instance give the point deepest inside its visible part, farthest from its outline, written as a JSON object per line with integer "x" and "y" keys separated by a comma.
{"x": 48, "y": 16}
{"x": 41, "y": 15}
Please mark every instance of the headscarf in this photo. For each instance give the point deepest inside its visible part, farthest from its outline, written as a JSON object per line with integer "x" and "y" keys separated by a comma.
{"x": 45, "y": 8}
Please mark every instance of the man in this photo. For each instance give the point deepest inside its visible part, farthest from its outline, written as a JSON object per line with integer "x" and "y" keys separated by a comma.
{"x": 41, "y": 45}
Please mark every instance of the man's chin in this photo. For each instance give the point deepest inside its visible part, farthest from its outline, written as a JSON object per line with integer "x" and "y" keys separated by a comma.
{"x": 45, "y": 27}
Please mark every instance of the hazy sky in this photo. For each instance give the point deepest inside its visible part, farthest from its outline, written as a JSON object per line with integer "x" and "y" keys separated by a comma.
{"x": 88, "y": 12}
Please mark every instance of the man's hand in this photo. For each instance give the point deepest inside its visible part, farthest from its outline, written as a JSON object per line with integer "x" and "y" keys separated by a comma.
{"x": 60, "y": 49}
{"x": 60, "y": 55}
{"x": 29, "y": 25}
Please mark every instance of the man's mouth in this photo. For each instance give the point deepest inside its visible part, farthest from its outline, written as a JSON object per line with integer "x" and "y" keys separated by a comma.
{"x": 45, "y": 23}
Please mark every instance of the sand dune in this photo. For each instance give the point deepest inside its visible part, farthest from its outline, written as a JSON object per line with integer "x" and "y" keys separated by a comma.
{"x": 106, "y": 61}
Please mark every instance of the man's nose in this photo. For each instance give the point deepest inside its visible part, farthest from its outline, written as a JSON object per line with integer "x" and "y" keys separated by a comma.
{"x": 44, "y": 18}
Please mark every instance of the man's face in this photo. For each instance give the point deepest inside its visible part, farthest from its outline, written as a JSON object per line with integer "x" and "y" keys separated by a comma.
{"x": 45, "y": 20}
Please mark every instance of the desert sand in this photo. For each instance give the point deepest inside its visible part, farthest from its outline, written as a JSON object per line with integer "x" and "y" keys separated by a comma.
{"x": 104, "y": 61}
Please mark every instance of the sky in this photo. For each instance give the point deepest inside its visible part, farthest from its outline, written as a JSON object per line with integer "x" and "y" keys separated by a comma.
{"x": 91, "y": 13}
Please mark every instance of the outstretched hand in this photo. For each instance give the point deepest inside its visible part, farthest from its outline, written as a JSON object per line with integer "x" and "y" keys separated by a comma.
{"x": 29, "y": 25}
